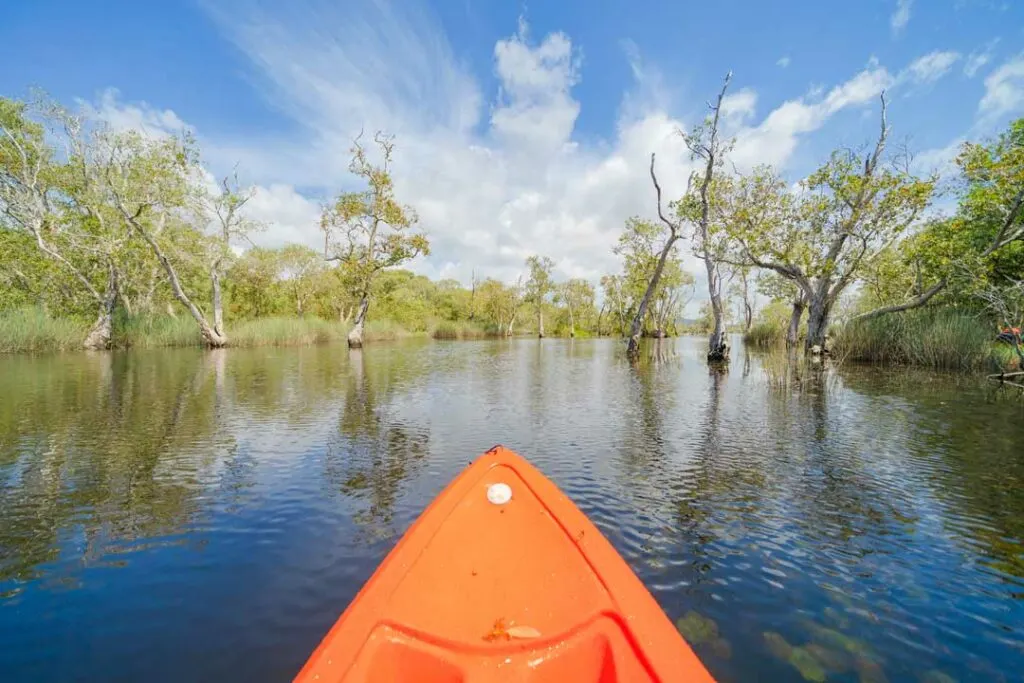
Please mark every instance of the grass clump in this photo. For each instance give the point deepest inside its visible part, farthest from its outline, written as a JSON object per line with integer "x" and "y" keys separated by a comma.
{"x": 286, "y": 332}
{"x": 765, "y": 333}
{"x": 150, "y": 331}
{"x": 939, "y": 339}
{"x": 33, "y": 330}
{"x": 447, "y": 329}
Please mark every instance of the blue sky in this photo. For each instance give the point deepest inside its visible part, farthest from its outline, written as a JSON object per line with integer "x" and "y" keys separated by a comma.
{"x": 521, "y": 128}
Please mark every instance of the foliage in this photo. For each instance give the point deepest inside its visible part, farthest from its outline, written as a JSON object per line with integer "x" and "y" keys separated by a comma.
{"x": 369, "y": 231}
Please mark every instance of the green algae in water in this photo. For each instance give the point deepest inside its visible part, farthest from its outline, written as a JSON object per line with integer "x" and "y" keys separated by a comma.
{"x": 834, "y": 661}
{"x": 869, "y": 671}
{"x": 807, "y": 664}
{"x": 833, "y": 638}
{"x": 721, "y": 648}
{"x": 777, "y": 645}
{"x": 696, "y": 628}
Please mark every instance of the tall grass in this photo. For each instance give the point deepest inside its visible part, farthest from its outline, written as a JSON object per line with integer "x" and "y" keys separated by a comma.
{"x": 286, "y": 332}
{"x": 766, "y": 333}
{"x": 461, "y": 330}
{"x": 33, "y": 330}
{"x": 147, "y": 331}
{"x": 940, "y": 339}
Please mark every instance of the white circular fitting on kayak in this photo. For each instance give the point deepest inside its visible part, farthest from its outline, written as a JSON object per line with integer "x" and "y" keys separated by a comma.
{"x": 499, "y": 494}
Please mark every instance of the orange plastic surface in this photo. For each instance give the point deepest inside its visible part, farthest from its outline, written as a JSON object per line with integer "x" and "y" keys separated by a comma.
{"x": 480, "y": 592}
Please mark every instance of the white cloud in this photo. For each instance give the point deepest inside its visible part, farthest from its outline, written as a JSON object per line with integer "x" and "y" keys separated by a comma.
{"x": 979, "y": 58}
{"x": 1004, "y": 89}
{"x": 783, "y": 62}
{"x": 931, "y": 67}
{"x": 774, "y": 140}
{"x": 739, "y": 106}
{"x": 899, "y": 19}
{"x": 140, "y": 116}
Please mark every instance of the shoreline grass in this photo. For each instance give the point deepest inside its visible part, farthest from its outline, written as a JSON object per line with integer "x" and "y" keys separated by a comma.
{"x": 938, "y": 339}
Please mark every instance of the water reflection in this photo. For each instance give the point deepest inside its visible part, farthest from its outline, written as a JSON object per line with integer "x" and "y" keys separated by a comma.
{"x": 798, "y": 521}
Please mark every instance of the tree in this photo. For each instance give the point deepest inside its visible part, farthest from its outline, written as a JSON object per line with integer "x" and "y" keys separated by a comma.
{"x": 966, "y": 251}
{"x": 740, "y": 289}
{"x": 368, "y": 231}
{"x": 57, "y": 205}
{"x": 849, "y": 212}
{"x": 615, "y": 298}
{"x": 301, "y": 269}
{"x": 539, "y": 285}
{"x": 154, "y": 184}
{"x": 230, "y": 225}
{"x": 577, "y": 295}
{"x": 705, "y": 144}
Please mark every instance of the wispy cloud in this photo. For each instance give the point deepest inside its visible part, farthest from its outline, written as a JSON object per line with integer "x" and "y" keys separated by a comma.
{"x": 932, "y": 66}
{"x": 979, "y": 58}
{"x": 1004, "y": 89}
{"x": 901, "y": 16}
{"x": 783, "y": 62}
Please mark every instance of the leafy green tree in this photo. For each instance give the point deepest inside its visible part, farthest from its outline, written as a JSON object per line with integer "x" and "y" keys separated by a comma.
{"x": 981, "y": 246}
{"x": 55, "y": 203}
{"x": 780, "y": 289}
{"x": 369, "y": 231}
{"x": 302, "y": 270}
{"x": 848, "y": 213}
{"x": 539, "y": 286}
{"x": 578, "y": 296}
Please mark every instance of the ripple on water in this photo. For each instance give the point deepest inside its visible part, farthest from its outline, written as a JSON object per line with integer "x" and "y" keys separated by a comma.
{"x": 232, "y": 504}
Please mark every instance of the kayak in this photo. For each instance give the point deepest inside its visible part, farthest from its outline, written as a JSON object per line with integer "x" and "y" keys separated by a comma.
{"x": 502, "y": 578}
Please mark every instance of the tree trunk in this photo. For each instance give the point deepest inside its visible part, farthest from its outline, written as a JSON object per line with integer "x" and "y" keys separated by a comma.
{"x": 718, "y": 346}
{"x": 211, "y": 336}
{"x": 818, "y": 312}
{"x": 103, "y": 329}
{"x": 599, "y": 315}
{"x": 540, "y": 322}
{"x": 355, "y": 337}
{"x": 218, "y": 305}
{"x": 793, "y": 333}
{"x": 511, "y": 324}
{"x": 633, "y": 344}
{"x": 572, "y": 324}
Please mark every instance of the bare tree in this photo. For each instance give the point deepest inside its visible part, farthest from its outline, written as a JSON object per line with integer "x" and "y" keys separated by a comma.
{"x": 703, "y": 143}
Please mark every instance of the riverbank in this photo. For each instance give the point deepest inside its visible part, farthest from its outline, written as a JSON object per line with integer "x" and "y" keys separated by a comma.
{"x": 31, "y": 330}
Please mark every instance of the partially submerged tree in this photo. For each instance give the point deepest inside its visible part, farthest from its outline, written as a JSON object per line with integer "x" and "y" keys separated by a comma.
{"x": 539, "y": 286}
{"x": 705, "y": 144}
{"x": 368, "y": 231}
{"x": 848, "y": 213}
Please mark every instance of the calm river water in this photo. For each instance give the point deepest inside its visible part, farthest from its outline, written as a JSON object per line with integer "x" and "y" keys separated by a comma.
{"x": 184, "y": 515}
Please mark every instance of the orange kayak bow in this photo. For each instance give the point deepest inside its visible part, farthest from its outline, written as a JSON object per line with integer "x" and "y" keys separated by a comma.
{"x": 502, "y": 578}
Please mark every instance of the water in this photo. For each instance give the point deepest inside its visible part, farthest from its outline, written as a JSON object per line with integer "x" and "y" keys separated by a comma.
{"x": 183, "y": 515}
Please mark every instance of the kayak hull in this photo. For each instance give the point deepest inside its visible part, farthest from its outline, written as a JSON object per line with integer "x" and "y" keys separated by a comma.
{"x": 502, "y": 578}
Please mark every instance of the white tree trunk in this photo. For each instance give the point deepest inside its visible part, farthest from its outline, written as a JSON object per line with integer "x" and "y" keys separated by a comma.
{"x": 355, "y": 337}
{"x": 103, "y": 329}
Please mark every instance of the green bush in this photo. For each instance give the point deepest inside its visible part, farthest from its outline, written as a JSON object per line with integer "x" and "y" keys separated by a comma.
{"x": 148, "y": 331}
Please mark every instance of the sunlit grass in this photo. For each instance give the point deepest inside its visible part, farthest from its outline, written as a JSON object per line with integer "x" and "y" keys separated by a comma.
{"x": 942, "y": 339}
{"x": 33, "y": 330}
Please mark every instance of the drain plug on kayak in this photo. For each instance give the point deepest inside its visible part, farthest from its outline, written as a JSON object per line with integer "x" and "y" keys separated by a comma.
{"x": 499, "y": 493}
